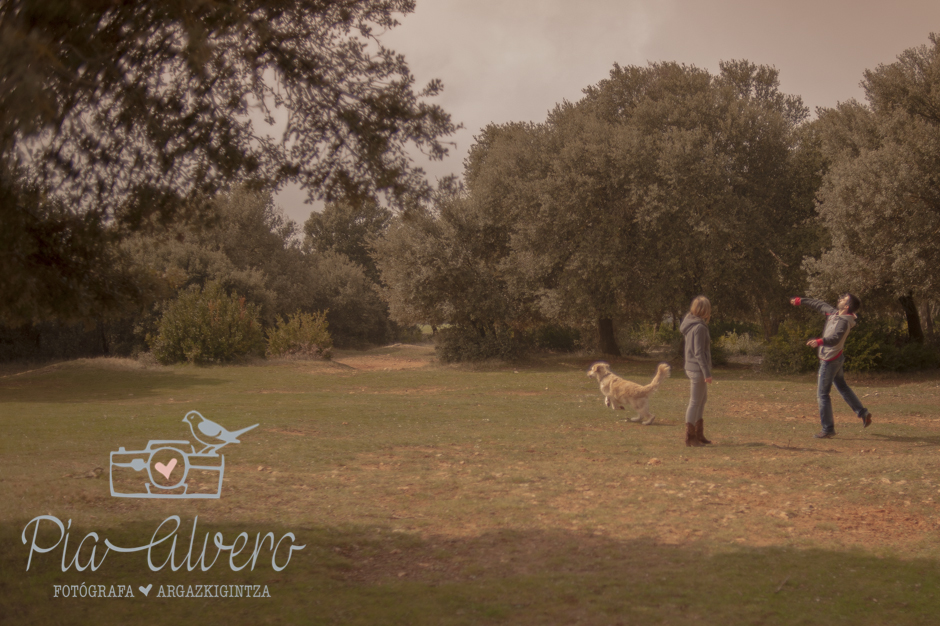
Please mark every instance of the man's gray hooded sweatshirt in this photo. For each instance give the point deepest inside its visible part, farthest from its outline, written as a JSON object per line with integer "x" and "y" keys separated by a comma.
{"x": 836, "y": 330}
{"x": 698, "y": 345}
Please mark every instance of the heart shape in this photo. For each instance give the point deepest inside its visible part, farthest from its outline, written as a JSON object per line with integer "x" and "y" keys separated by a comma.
{"x": 146, "y": 590}
{"x": 167, "y": 469}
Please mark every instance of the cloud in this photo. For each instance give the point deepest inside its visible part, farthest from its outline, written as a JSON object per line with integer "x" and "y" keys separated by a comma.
{"x": 513, "y": 61}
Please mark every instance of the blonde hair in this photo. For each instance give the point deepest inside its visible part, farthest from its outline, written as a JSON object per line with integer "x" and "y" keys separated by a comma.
{"x": 701, "y": 307}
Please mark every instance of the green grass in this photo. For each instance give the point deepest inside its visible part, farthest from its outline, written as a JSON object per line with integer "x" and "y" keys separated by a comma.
{"x": 487, "y": 495}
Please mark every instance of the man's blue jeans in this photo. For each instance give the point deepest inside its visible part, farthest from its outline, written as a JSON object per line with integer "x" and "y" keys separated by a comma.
{"x": 831, "y": 372}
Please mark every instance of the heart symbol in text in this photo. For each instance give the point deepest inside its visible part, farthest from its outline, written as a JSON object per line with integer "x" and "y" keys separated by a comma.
{"x": 146, "y": 590}
{"x": 166, "y": 470}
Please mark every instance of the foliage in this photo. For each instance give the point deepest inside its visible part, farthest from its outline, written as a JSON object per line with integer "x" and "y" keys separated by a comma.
{"x": 872, "y": 345}
{"x": 253, "y": 250}
{"x": 718, "y": 178}
{"x": 357, "y": 314}
{"x": 348, "y": 228}
{"x": 787, "y": 352}
{"x": 863, "y": 350}
{"x": 880, "y": 199}
{"x": 662, "y": 183}
{"x": 720, "y": 356}
{"x": 445, "y": 265}
{"x": 884, "y": 346}
{"x": 743, "y": 344}
{"x": 641, "y": 338}
{"x": 302, "y": 334}
{"x": 207, "y": 325}
{"x": 456, "y": 344}
{"x": 61, "y": 265}
{"x": 555, "y": 338}
{"x": 134, "y": 114}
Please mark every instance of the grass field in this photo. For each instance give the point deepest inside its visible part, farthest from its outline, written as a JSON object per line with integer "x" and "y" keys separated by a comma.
{"x": 429, "y": 494}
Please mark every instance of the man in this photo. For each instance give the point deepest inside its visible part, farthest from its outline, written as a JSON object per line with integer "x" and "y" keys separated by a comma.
{"x": 831, "y": 357}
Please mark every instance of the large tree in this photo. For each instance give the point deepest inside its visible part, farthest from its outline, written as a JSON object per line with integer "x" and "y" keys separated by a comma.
{"x": 125, "y": 113}
{"x": 446, "y": 264}
{"x": 881, "y": 194}
{"x": 662, "y": 183}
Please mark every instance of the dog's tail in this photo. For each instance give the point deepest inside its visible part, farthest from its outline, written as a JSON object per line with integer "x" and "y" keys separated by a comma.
{"x": 662, "y": 373}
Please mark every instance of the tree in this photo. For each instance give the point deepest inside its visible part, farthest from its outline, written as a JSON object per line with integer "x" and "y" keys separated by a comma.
{"x": 881, "y": 196}
{"x": 55, "y": 263}
{"x": 253, "y": 250}
{"x": 348, "y": 228}
{"x": 131, "y": 113}
{"x": 662, "y": 183}
{"x": 729, "y": 189}
{"x": 445, "y": 264}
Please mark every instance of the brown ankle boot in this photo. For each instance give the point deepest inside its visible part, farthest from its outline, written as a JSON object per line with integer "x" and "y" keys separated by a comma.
{"x": 691, "y": 438}
{"x": 700, "y": 431}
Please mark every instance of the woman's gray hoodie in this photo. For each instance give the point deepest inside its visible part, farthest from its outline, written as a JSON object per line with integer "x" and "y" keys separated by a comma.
{"x": 698, "y": 345}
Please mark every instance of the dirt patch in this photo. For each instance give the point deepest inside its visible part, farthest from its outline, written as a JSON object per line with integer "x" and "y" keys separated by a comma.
{"x": 382, "y": 363}
{"x": 10, "y": 370}
{"x": 402, "y": 358}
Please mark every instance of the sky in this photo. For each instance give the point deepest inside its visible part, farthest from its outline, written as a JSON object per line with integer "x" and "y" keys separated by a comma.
{"x": 514, "y": 60}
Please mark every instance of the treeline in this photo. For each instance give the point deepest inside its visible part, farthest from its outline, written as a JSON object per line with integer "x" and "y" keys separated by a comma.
{"x": 242, "y": 247}
{"x": 663, "y": 182}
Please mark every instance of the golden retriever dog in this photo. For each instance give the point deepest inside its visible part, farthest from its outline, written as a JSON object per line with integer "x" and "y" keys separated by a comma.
{"x": 619, "y": 392}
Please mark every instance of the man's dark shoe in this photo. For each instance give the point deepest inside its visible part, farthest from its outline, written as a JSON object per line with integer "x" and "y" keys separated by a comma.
{"x": 866, "y": 420}
{"x": 825, "y": 434}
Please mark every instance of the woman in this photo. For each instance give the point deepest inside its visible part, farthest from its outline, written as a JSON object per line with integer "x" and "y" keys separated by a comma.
{"x": 698, "y": 367}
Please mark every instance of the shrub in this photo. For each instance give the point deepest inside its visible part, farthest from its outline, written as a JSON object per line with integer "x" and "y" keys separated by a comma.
{"x": 743, "y": 344}
{"x": 864, "y": 350}
{"x": 457, "y": 344}
{"x": 871, "y": 346}
{"x": 207, "y": 326}
{"x": 912, "y": 356}
{"x": 787, "y": 352}
{"x": 555, "y": 338}
{"x": 885, "y": 346}
{"x": 643, "y": 338}
{"x": 303, "y": 334}
{"x": 719, "y": 354}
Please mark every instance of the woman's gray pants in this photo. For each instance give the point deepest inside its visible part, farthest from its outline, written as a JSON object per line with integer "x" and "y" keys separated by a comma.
{"x": 699, "y": 394}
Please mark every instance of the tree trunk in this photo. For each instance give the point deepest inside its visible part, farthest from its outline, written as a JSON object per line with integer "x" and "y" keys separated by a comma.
{"x": 914, "y": 330}
{"x": 605, "y": 337}
{"x": 926, "y": 315}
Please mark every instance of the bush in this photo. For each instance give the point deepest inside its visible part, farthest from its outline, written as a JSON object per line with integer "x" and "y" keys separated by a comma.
{"x": 720, "y": 356}
{"x": 303, "y": 334}
{"x": 787, "y": 352}
{"x": 871, "y": 346}
{"x": 555, "y": 338}
{"x": 911, "y": 356}
{"x": 864, "y": 350}
{"x": 744, "y": 344}
{"x": 643, "y": 338}
{"x": 458, "y": 344}
{"x": 207, "y": 326}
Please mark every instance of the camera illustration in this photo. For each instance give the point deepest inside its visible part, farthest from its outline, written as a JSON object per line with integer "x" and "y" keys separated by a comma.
{"x": 174, "y": 468}
{"x": 166, "y": 469}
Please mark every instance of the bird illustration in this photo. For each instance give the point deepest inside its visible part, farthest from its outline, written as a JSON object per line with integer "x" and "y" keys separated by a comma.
{"x": 209, "y": 429}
